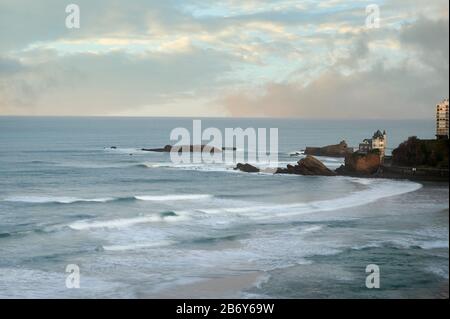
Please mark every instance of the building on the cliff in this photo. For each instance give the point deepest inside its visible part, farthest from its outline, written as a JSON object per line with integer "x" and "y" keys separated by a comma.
{"x": 377, "y": 142}
{"x": 442, "y": 120}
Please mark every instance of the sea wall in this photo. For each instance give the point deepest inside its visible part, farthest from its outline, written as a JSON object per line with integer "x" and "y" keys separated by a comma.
{"x": 413, "y": 173}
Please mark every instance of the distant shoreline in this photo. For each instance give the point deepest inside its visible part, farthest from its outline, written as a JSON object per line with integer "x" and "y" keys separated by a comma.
{"x": 413, "y": 178}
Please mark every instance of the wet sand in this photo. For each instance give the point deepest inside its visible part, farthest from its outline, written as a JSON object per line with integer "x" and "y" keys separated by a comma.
{"x": 222, "y": 287}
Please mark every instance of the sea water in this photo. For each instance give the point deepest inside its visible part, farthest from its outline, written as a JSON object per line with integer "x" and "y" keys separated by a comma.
{"x": 139, "y": 226}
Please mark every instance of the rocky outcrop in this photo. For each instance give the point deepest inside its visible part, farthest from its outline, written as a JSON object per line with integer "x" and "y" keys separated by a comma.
{"x": 422, "y": 153}
{"x": 183, "y": 148}
{"x": 166, "y": 148}
{"x": 360, "y": 164}
{"x": 247, "y": 168}
{"x": 309, "y": 166}
{"x": 339, "y": 150}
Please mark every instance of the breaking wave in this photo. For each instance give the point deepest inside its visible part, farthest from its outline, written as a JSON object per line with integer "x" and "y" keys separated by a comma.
{"x": 55, "y": 199}
{"x": 376, "y": 190}
{"x": 125, "y": 222}
{"x": 71, "y": 200}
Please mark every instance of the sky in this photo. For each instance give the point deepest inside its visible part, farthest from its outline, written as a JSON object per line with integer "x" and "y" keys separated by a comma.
{"x": 228, "y": 58}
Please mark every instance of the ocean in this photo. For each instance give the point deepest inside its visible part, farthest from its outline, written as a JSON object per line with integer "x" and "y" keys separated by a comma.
{"x": 139, "y": 226}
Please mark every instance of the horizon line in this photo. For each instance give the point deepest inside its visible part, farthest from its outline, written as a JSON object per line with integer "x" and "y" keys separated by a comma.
{"x": 218, "y": 117}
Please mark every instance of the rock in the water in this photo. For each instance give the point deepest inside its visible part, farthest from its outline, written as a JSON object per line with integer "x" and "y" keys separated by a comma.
{"x": 312, "y": 166}
{"x": 166, "y": 148}
{"x": 184, "y": 148}
{"x": 307, "y": 166}
{"x": 246, "y": 168}
{"x": 339, "y": 150}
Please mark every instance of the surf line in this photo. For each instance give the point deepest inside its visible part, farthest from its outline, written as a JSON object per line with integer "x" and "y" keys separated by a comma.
{"x": 187, "y": 309}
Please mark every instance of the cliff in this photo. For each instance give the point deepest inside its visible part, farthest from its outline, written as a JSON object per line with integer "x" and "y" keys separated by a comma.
{"x": 422, "y": 153}
{"x": 360, "y": 164}
{"x": 339, "y": 150}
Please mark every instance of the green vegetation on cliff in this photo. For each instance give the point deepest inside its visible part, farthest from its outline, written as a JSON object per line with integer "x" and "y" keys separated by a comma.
{"x": 422, "y": 153}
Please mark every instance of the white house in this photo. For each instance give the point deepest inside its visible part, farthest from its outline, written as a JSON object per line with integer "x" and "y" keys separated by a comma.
{"x": 377, "y": 142}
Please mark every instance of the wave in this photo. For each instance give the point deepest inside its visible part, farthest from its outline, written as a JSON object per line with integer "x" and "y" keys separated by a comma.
{"x": 427, "y": 245}
{"x": 189, "y": 167}
{"x": 129, "y": 150}
{"x": 72, "y": 200}
{"x": 136, "y": 246}
{"x": 438, "y": 271}
{"x": 229, "y": 166}
{"x": 173, "y": 197}
{"x": 125, "y": 222}
{"x": 55, "y": 199}
{"x": 311, "y": 229}
{"x": 377, "y": 189}
{"x": 405, "y": 244}
{"x": 93, "y": 165}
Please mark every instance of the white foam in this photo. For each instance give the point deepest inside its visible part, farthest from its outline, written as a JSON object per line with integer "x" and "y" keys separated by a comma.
{"x": 377, "y": 189}
{"x": 229, "y": 166}
{"x": 126, "y": 150}
{"x": 363, "y": 181}
{"x": 94, "y": 165}
{"x": 441, "y": 272}
{"x": 174, "y": 197}
{"x": 312, "y": 229}
{"x": 136, "y": 246}
{"x": 55, "y": 199}
{"x": 434, "y": 244}
{"x": 203, "y": 167}
{"x": 123, "y": 222}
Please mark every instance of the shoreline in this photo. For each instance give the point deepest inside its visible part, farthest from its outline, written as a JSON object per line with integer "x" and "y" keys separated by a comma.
{"x": 400, "y": 177}
{"x": 228, "y": 286}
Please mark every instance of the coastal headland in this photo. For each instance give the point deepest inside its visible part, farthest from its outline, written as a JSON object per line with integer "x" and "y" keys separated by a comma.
{"x": 414, "y": 159}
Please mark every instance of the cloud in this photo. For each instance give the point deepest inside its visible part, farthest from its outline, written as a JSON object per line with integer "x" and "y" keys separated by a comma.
{"x": 374, "y": 94}
{"x": 430, "y": 39}
{"x": 174, "y": 57}
{"x": 406, "y": 90}
{"x": 96, "y": 84}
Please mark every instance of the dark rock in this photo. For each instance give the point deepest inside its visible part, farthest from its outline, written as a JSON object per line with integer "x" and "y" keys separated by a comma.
{"x": 195, "y": 148}
{"x": 422, "y": 153}
{"x": 299, "y": 153}
{"x": 312, "y": 166}
{"x": 341, "y": 170}
{"x": 246, "y": 168}
{"x": 281, "y": 170}
{"x": 307, "y": 166}
{"x": 360, "y": 164}
{"x": 166, "y": 148}
{"x": 182, "y": 148}
{"x": 339, "y": 150}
